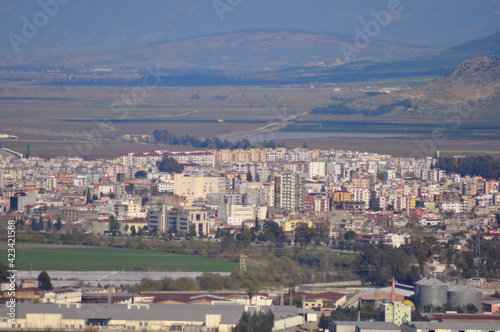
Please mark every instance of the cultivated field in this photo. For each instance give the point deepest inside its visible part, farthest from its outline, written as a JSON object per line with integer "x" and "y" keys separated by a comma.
{"x": 90, "y": 121}
{"x": 107, "y": 259}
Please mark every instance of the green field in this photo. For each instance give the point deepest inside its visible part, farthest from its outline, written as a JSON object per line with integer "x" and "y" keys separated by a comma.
{"x": 106, "y": 259}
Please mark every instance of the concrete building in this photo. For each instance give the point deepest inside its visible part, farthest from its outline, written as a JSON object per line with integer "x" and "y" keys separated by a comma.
{"x": 361, "y": 195}
{"x": 316, "y": 203}
{"x": 193, "y": 187}
{"x": 144, "y": 317}
{"x": 341, "y": 326}
{"x": 62, "y": 296}
{"x": 178, "y": 219}
{"x": 396, "y": 240}
{"x": 81, "y": 213}
{"x": 342, "y": 196}
{"x": 193, "y": 157}
{"x": 389, "y": 175}
{"x": 241, "y": 212}
{"x": 451, "y": 327}
{"x": 130, "y": 207}
{"x": 397, "y": 312}
{"x": 317, "y": 169}
{"x": 20, "y": 200}
{"x": 289, "y": 193}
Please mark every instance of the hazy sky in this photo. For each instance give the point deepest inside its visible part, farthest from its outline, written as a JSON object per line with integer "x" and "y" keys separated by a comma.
{"x": 105, "y": 24}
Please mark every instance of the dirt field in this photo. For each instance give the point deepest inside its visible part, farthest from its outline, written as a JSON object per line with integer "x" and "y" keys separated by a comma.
{"x": 89, "y": 121}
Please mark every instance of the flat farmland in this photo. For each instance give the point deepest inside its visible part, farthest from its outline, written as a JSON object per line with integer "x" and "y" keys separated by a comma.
{"x": 106, "y": 259}
{"x": 76, "y": 109}
{"x": 90, "y": 121}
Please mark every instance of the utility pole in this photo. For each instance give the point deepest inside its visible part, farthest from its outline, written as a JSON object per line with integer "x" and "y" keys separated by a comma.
{"x": 243, "y": 264}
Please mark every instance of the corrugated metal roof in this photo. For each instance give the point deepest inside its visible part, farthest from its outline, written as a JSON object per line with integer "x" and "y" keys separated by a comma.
{"x": 430, "y": 281}
{"x": 230, "y": 314}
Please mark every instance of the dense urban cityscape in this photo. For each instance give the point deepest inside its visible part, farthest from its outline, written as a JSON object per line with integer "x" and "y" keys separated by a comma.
{"x": 288, "y": 198}
{"x": 250, "y": 166}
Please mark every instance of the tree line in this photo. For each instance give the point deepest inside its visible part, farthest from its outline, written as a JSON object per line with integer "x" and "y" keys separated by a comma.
{"x": 342, "y": 108}
{"x": 163, "y": 136}
{"x": 39, "y": 224}
{"x": 485, "y": 166}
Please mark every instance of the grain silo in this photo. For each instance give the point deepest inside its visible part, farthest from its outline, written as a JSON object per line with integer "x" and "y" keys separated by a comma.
{"x": 462, "y": 295}
{"x": 430, "y": 291}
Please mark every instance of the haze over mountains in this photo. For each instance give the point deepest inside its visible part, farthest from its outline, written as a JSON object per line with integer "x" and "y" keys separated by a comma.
{"x": 279, "y": 42}
{"x": 80, "y": 26}
{"x": 249, "y": 50}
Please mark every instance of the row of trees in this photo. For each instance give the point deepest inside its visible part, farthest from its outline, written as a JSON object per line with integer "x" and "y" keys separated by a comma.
{"x": 273, "y": 233}
{"x": 350, "y": 314}
{"x": 485, "y": 264}
{"x": 378, "y": 264}
{"x": 169, "y": 165}
{"x": 163, "y": 136}
{"x": 485, "y": 166}
{"x": 317, "y": 234}
{"x": 38, "y": 224}
{"x": 342, "y": 108}
{"x": 256, "y": 322}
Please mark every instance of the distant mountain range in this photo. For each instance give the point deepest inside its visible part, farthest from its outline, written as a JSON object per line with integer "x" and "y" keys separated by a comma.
{"x": 248, "y": 51}
{"x": 470, "y": 92}
{"x": 81, "y": 27}
{"x": 294, "y": 56}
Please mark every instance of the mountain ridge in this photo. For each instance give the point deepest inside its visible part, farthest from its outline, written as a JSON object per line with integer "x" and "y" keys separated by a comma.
{"x": 471, "y": 91}
{"x": 248, "y": 50}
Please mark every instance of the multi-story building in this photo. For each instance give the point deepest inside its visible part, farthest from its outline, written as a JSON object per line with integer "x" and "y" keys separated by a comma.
{"x": 241, "y": 212}
{"x": 361, "y": 182}
{"x": 360, "y": 195}
{"x": 194, "y": 157}
{"x": 342, "y": 196}
{"x": 79, "y": 213}
{"x": 193, "y": 187}
{"x": 289, "y": 190}
{"x": 129, "y": 207}
{"x": 317, "y": 169}
{"x": 21, "y": 200}
{"x": 316, "y": 203}
{"x": 397, "y": 312}
{"x": 179, "y": 219}
{"x": 469, "y": 188}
